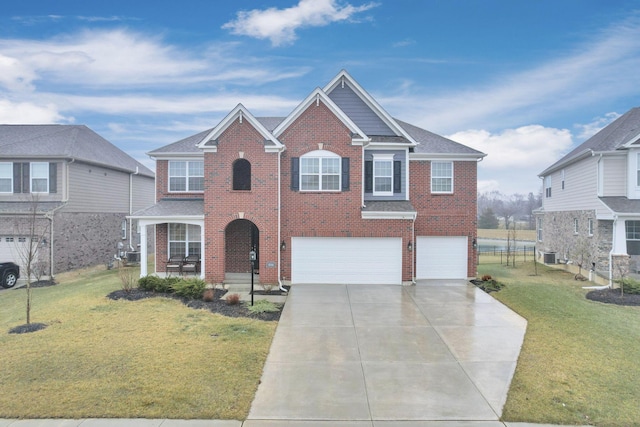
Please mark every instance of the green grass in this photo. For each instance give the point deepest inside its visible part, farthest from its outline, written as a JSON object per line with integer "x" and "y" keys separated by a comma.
{"x": 580, "y": 359}
{"x": 154, "y": 358}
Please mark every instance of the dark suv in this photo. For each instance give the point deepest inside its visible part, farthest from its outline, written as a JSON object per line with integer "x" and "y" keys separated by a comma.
{"x": 9, "y": 274}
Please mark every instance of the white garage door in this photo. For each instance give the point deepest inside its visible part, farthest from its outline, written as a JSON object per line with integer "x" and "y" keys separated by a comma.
{"x": 14, "y": 249}
{"x": 441, "y": 257}
{"x": 349, "y": 260}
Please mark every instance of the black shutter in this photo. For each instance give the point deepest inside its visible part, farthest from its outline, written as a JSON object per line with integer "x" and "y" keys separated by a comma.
{"x": 53, "y": 177}
{"x": 368, "y": 176}
{"x": 397, "y": 176}
{"x": 17, "y": 177}
{"x": 345, "y": 173}
{"x": 26, "y": 182}
{"x": 295, "y": 173}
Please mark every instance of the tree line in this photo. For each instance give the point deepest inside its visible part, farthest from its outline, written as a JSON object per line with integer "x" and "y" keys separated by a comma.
{"x": 498, "y": 210}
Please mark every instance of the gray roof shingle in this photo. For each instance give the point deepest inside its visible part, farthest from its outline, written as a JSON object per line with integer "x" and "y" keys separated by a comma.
{"x": 65, "y": 141}
{"x": 431, "y": 143}
{"x": 613, "y": 137}
{"x": 173, "y": 207}
{"x": 622, "y": 205}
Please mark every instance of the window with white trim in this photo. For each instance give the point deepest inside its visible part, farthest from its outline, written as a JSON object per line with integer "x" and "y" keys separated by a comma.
{"x": 539, "y": 229}
{"x": 383, "y": 174}
{"x": 320, "y": 171}
{"x": 442, "y": 177}
{"x": 39, "y": 177}
{"x": 6, "y": 177}
{"x": 184, "y": 239}
{"x": 632, "y": 229}
{"x": 547, "y": 186}
{"x": 186, "y": 176}
{"x": 590, "y": 226}
{"x": 575, "y": 225}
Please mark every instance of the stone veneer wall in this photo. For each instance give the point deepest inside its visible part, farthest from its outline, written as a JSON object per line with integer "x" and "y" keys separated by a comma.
{"x": 85, "y": 239}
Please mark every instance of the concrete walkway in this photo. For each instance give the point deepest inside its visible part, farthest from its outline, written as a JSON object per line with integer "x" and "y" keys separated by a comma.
{"x": 437, "y": 351}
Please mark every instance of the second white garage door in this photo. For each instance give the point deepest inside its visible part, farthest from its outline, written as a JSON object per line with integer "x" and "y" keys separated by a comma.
{"x": 441, "y": 257}
{"x": 349, "y": 260}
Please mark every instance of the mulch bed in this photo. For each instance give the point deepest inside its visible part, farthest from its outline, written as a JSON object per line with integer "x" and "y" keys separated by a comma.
{"x": 218, "y": 305}
{"x": 612, "y": 296}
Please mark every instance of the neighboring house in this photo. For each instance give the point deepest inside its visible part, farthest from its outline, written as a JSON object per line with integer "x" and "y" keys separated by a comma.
{"x": 80, "y": 187}
{"x": 590, "y": 213}
{"x": 336, "y": 192}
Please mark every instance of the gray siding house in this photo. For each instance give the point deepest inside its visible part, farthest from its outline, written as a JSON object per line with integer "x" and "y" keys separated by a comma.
{"x": 79, "y": 188}
{"x": 590, "y": 213}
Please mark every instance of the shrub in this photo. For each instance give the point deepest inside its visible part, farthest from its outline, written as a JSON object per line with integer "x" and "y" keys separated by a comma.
{"x": 189, "y": 288}
{"x": 209, "y": 294}
{"x": 629, "y": 285}
{"x": 157, "y": 284}
{"x": 486, "y": 277}
{"x": 262, "y": 306}
{"x": 233, "y": 299}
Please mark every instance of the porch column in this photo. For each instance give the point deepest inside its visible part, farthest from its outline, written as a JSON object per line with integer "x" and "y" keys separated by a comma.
{"x": 143, "y": 248}
{"x": 619, "y": 238}
{"x": 202, "y": 257}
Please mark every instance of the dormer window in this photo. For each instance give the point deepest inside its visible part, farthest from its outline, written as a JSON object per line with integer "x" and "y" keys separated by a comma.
{"x": 242, "y": 175}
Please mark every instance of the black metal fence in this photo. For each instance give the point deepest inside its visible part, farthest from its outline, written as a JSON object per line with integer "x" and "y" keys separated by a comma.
{"x": 502, "y": 255}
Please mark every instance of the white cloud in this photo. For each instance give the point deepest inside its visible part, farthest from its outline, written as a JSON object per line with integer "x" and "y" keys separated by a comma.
{"x": 280, "y": 25}
{"x": 29, "y": 113}
{"x": 515, "y": 156}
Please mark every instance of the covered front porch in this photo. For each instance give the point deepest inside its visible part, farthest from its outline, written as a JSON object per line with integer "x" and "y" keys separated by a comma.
{"x": 179, "y": 228}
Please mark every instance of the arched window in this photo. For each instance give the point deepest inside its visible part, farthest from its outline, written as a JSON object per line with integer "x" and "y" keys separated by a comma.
{"x": 241, "y": 175}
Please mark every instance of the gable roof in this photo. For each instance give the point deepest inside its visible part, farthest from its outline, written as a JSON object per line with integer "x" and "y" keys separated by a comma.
{"x": 76, "y": 142}
{"x": 618, "y": 135}
{"x": 210, "y": 140}
{"x": 315, "y": 97}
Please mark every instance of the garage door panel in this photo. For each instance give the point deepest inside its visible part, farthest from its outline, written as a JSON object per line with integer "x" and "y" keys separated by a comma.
{"x": 440, "y": 257}
{"x": 346, "y": 260}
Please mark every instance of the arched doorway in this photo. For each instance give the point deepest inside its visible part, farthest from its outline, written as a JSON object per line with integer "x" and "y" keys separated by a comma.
{"x": 241, "y": 236}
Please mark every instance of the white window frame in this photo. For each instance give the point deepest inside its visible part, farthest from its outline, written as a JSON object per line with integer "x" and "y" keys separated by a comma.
{"x": 378, "y": 161}
{"x": 32, "y": 176}
{"x": 590, "y": 226}
{"x": 3, "y": 177}
{"x": 441, "y": 177}
{"x": 189, "y": 235}
{"x": 575, "y": 225}
{"x": 547, "y": 186}
{"x": 123, "y": 227}
{"x": 322, "y": 157}
{"x": 187, "y": 177}
{"x": 539, "y": 230}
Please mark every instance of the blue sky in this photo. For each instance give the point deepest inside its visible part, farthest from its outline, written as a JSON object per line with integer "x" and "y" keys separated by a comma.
{"x": 523, "y": 81}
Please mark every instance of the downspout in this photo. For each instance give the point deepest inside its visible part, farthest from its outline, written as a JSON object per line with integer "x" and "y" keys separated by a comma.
{"x": 49, "y": 215}
{"x": 413, "y": 253}
{"x": 613, "y": 245}
{"x": 280, "y": 285}
{"x": 131, "y": 208}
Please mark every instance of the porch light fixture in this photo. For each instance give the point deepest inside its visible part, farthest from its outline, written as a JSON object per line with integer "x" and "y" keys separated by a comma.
{"x": 474, "y": 242}
{"x": 410, "y": 246}
{"x": 283, "y": 246}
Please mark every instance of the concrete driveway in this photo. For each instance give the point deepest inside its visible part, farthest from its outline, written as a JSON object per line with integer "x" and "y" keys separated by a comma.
{"x": 372, "y": 355}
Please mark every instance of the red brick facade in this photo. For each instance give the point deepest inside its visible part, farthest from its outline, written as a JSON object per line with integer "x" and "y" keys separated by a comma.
{"x": 271, "y": 212}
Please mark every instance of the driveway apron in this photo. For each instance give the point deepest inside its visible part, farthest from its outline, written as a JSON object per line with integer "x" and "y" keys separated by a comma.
{"x": 437, "y": 351}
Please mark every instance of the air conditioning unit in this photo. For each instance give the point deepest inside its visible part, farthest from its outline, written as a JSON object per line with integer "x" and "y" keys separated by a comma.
{"x": 133, "y": 257}
{"x": 549, "y": 257}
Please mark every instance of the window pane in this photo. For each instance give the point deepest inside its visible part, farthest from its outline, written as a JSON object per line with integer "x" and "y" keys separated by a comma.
{"x": 177, "y": 184}
{"x": 194, "y": 248}
{"x": 196, "y": 183}
{"x": 441, "y": 184}
{"x": 331, "y": 165}
{"x": 330, "y": 182}
{"x": 177, "y": 168}
{"x": 177, "y": 249}
{"x": 309, "y": 165}
{"x": 309, "y": 182}
{"x": 196, "y": 168}
{"x": 6, "y": 177}
{"x": 383, "y": 185}
{"x": 177, "y": 232}
{"x": 194, "y": 233}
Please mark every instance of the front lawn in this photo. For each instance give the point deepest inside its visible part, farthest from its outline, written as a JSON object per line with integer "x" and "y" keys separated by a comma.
{"x": 154, "y": 358}
{"x": 580, "y": 362}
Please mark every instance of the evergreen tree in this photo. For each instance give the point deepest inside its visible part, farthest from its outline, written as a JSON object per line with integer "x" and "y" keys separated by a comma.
{"x": 488, "y": 219}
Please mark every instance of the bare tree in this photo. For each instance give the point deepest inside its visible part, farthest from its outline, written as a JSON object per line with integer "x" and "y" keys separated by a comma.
{"x": 33, "y": 234}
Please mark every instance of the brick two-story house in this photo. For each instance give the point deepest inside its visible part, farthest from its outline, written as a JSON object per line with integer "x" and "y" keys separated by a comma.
{"x": 336, "y": 192}
{"x": 75, "y": 187}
